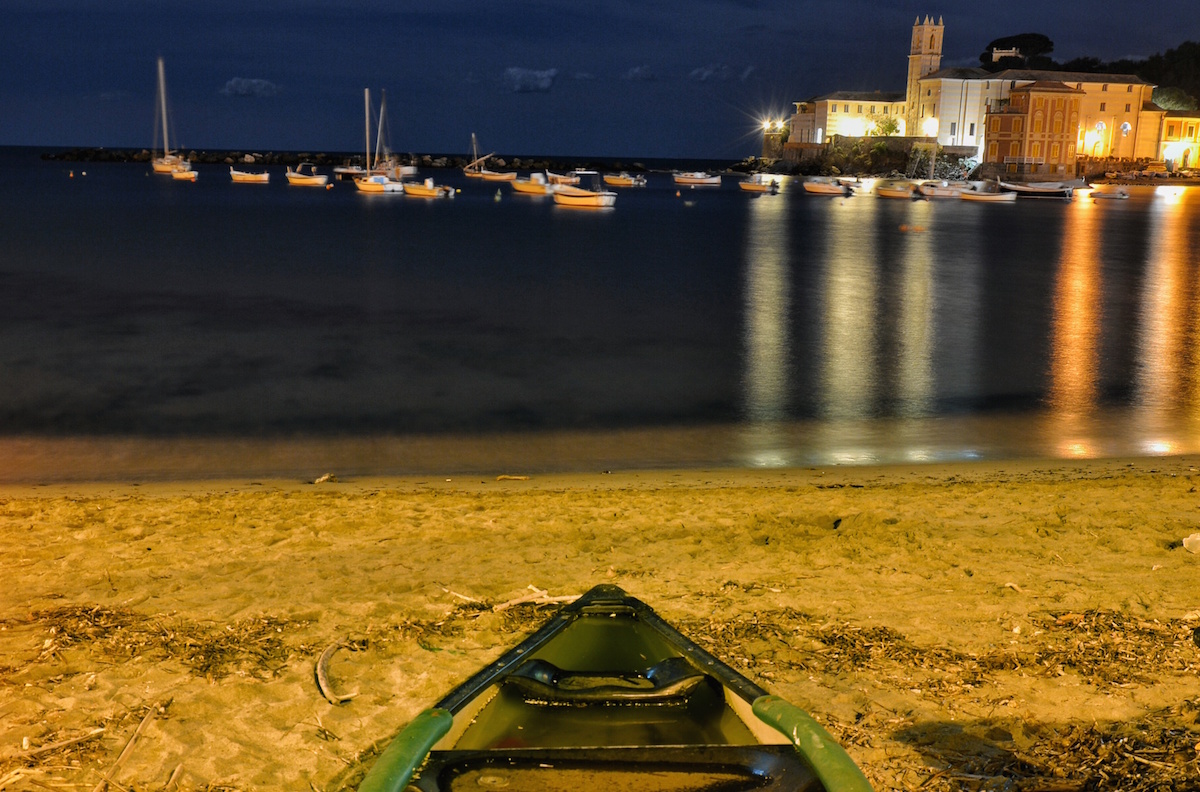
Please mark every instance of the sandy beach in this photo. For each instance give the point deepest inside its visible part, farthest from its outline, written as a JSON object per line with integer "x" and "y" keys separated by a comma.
{"x": 1024, "y": 625}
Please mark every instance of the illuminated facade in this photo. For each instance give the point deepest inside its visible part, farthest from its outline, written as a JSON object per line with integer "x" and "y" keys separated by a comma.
{"x": 1181, "y": 139}
{"x": 924, "y": 57}
{"x": 1036, "y": 130}
{"x": 847, "y": 113}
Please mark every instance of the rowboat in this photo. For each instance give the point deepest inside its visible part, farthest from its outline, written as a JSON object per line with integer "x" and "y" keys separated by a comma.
{"x": 695, "y": 178}
{"x": 759, "y": 184}
{"x": 606, "y": 695}
{"x": 562, "y": 178}
{"x": 822, "y": 185}
{"x": 184, "y": 174}
{"x": 982, "y": 195}
{"x": 498, "y": 176}
{"x": 1119, "y": 195}
{"x": 567, "y": 195}
{"x": 248, "y": 177}
{"x": 305, "y": 175}
{"x": 624, "y": 180}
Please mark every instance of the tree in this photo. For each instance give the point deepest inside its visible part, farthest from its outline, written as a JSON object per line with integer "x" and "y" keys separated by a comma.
{"x": 1169, "y": 98}
{"x": 883, "y": 125}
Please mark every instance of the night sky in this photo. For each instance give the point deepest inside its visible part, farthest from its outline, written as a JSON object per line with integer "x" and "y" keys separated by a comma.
{"x": 636, "y": 78}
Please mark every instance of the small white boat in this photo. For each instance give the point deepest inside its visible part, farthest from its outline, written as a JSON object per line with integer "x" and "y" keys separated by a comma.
{"x": 696, "y": 178}
{"x": 624, "y": 180}
{"x": 427, "y": 189}
{"x": 895, "y": 188}
{"x": 305, "y": 175}
{"x": 248, "y": 177}
{"x": 184, "y": 174}
{"x": 824, "y": 185}
{"x": 1040, "y": 189}
{"x": 497, "y": 176}
{"x": 985, "y": 196}
{"x": 562, "y": 178}
{"x": 758, "y": 183}
{"x": 568, "y": 195}
{"x": 1119, "y": 194}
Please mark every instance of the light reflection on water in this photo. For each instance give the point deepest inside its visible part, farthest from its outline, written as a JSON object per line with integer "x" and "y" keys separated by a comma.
{"x": 935, "y": 351}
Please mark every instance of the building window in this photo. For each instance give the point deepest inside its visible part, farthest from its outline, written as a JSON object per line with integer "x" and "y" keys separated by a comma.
{"x": 993, "y": 151}
{"x": 1126, "y": 108}
{"x": 1035, "y": 150}
{"x": 1014, "y": 149}
{"x": 845, "y": 108}
{"x": 1104, "y": 87}
{"x": 860, "y": 109}
{"x": 1191, "y": 131}
{"x": 1170, "y": 130}
{"x": 1016, "y": 125}
{"x": 972, "y": 130}
{"x": 1054, "y": 151}
{"x": 1128, "y": 89}
{"x": 1102, "y": 105}
{"x": 995, "y": 124}
{"x": 872, "y": 111}
{"x": 833, "y": 108}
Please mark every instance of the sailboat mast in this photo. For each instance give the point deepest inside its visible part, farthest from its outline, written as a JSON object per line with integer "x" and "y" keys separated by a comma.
{"x": 367, "y": 127}
{"x": 379, "y": 133}
{"x": 162, "y": 102}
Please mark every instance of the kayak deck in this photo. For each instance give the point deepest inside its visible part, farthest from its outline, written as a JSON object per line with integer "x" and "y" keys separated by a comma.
{"x": 607, "y": 695}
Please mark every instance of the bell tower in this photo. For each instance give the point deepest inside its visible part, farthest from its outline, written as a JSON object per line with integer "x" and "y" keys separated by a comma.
{"x": 924, "y": 57}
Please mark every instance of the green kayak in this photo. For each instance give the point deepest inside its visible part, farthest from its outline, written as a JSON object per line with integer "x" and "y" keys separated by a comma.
{"x": 608, "y": 696}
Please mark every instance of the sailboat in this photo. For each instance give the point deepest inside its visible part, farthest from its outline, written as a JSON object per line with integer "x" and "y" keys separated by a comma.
{"x": 378, "y": 179}
{"x": 474, "y": 168}
{"x": 168, "y": 162}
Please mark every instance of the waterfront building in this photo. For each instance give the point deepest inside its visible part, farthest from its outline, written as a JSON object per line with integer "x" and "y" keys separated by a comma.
{"x": 1036, "y": 130}
{"x": 846, "y": 113}
{"x": 1180, "y": 146}
{"x": 1116, "y": 117}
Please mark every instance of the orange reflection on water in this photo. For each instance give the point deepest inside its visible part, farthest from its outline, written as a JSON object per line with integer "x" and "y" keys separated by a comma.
{"x": 1075, "y": 327}
{"x": 850, "y": 293}
{"x": 1164, "y": 381}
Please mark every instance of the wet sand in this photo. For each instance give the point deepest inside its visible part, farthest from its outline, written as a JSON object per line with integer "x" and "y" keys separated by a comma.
{"x": 957, "y": 627}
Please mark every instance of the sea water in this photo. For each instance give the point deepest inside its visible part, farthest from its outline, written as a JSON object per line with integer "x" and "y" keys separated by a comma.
{"x": 685, "y": 327}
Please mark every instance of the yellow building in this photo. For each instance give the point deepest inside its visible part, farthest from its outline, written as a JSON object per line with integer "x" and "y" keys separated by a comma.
{"x": 1180, "y": 146}
{"x": 845, "y": 113}
{"x": 1036, "y": 130}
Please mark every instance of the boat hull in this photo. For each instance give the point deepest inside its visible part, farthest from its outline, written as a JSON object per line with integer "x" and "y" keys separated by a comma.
{"x": 378, "y": 184}
{"x": 529, "y": 187}
{"x": 697, "y": 179}
{"x": 826, "y": 188}
{"x": 607, "y": 695}
{"x": 584, "y": 199}
{"x": 243, "y": 177}
{"x": 987, "y": 197}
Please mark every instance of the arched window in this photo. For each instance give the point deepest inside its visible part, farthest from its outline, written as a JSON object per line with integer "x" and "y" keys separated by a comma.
{"x": 1126, "y": 128}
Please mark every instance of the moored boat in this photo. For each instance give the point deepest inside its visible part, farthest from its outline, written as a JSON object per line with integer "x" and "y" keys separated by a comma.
{"x": 624, "y": 179}
{"x": 568, "y": 195}
{"x": 378, "y": 183}
{"x": 184, "y": 174}
{"x": 427, "y": 189}
{"x": 895, "y": 188}
{"x": 248, "y": 177}
{"x": 498, "y": 176}
{"x": 305, "y": 175}
{"x": 824, "y": 185}
{"x": 942, "y": 188}
{"x": 607, "y": 695}
{"x": 697, "y": 178}
{"x": 535, "y": 185}
{"x": 1119, "y": 194}
{"x": 1040, "y": 189}
{"x": 758, "y": 183}
{"x": 562, "y": 178}
{"x": 986, "y": 196}
{"x": 169, "y": 162}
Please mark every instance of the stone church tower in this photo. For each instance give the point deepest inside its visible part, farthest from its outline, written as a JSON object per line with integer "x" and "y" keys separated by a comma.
{"x": 925, "y": 57}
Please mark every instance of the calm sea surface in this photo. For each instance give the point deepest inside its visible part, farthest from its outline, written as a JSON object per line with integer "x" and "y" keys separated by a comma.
{"x": 252, "y": 329}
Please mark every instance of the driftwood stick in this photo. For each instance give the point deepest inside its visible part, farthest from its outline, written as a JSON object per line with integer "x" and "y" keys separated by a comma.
{"x": 322, "y": 671}
{"x": 173, "y": 781}
{"x": 538, "y": 596}
{"x": 54, "y": 746}
{"x": 107, "y": 778}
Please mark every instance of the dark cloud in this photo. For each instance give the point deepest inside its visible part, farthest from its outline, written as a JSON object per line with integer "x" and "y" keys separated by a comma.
{"x": 241, "y": 86}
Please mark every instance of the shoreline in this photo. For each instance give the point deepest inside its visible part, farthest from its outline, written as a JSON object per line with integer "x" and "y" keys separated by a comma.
{"x": 948, "y": 623}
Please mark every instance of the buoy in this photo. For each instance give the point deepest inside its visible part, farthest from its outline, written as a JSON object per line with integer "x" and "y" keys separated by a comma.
{"x": 328, "y": 186}
{"x": 497, "y": 195}
{"x": 677, "y": 193}
{"x": 70, "y": 174}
